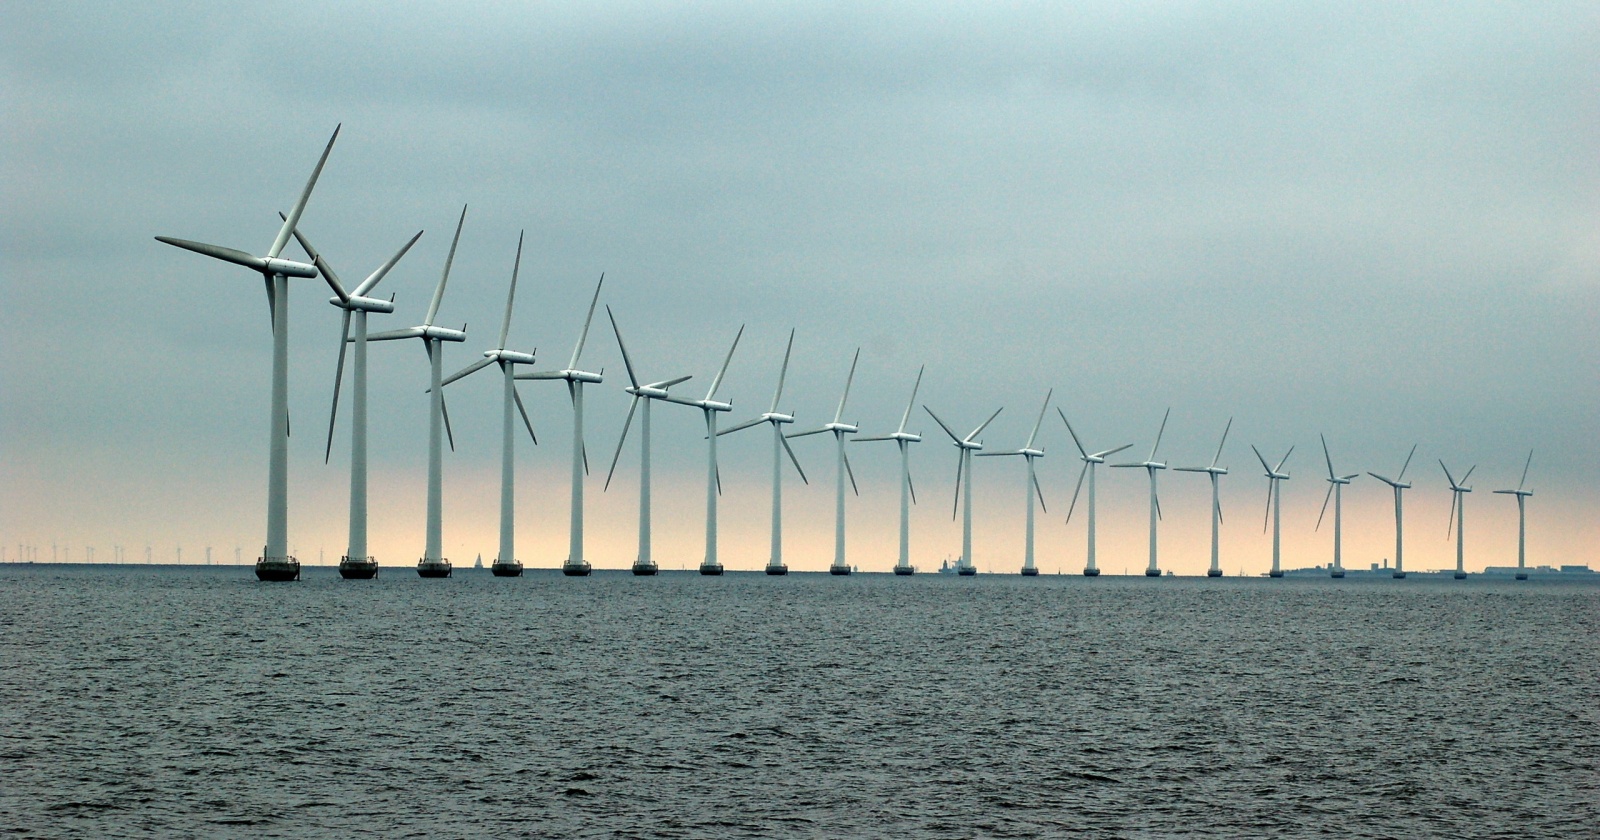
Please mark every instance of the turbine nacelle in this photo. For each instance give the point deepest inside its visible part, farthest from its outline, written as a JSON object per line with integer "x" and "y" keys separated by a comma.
{"x": 363, "y": 304}
{"x": 841, "y": 427}
{"x": 288, "y": 268}
{"x": 509, "y": 356}
{"x": 443, "y": 334}
{"x": 775, "y": 417}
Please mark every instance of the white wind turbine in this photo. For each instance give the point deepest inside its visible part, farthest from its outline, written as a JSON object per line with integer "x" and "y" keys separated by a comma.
{"x": 1274, "y": 497}
{"x": 506, "y": 565}
{"x": 1150, "y": 466}
{"x": 1030, "y": 486}
{"x": 907, "y": 492}
{"x": 433, "y": 563}
{"x": 965, "y": 447}
{"x": 1216, "y": 500}
{"x": 841, "y": 469}
{"x": 775, "y": 564}
{"x": 1458, "y": 514}
{"x": 275, "y": 562}
{"x": 1522, "y": 518}
{"x": 1399, "y": 485}
{"x": 356, "y": 564}
{"x": 643, "y": 564}
{"x": 1336, "y": 485}
{"x": 710, "y": 407}
{"x": 1089, "y": 464}
{"x": 575, "y": 565}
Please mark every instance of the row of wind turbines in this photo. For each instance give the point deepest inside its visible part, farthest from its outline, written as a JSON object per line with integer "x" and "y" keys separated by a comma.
{"x": 276, "y": 563}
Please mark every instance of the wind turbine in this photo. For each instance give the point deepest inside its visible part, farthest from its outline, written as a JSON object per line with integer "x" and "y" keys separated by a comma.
{"x": 1398, "y": 484}
{"x": 965, "y": 446}
{"x": 1030, "y": 487}
{"x": 1522, "y": 518}
{"x": 356, "y": 564}
{"x": 643, "y": 564}
{"x": 1458, "y": 514}
{"x": 1216, "y": 500}
{"x": 575, "y": 565}
{"x": 1336, "y": 485}
{"x": 907, "y": 492}
{"x": 1150, "y": 465}
{"x": 841, "y": 469}
{"x": 775, "y": 564}
{"x": 275, "y": 562}
{"x": 433, "y": 563}
{"x": 710, "y": 407}
{"x": 506, "y": 565}
{"x": 1274, "y": 506}
{"x": 1089, "y": 464}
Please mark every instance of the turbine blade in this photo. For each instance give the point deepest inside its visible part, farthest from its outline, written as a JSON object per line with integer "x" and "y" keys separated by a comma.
{"x": 1454, "y": 496}
{"x": 321, "y": 264}
{"x": 1217, "y": 500}
{"x": 1448, "y": 477}
{"x": 852, "y": 473}
{"x": 1039, "y": 491}
{"x": 1159, "y": 433}
{"x": 584, "y": 334}
{"x": 1042, "y": 408}
{"x": 272, "y": 303}
{"x": 783, "y": 372}
{"x": 517, "y": 396}
{"x": 1261, "y": 459}
{"x": 1402, "y": 476}
{"x": 955, "y": 504}
{"x": 1525, "y": 466}
{"x": 338, "y": 379}
{"x": 627, "y": 361}
{"x": 668, "y": 383}
{"x": 516, "y": 268}
{"x": 620, "y": 441}
{"x": 741, "y": 426}
{"x": 1468, "y": 475}
{"x": 232, "y": 255}
{"x": 545, "y": 374}
{"x": 796, "y": 461}
{"x": 585, "y": 458}
{"x": 1284, "y": 460}
{"x": 375, "y": 277}
{"x": 467, "y": 371}
{"x": 979, "y": 430}
{"x": 438, "y": 291}
{"x": 1074, "y": 506}
{"x": 1224, "y": 442}
{"x": 941, "y": 424}
{"x": 719, "y": 479}
{"x": 1109, "y": 452}
{"x": 1387, "y": 481}
{"x": 907, "y": 415}
{"x": 391, "y": 335}
{"x": 445, "y": 410}
{"x": 717, "y": 382}
{"x": 911, "y": 485}
{"x": 1325, "y": 500}
{"x": 1268, "y": 513}
{"x": 847, "y": 380}
{"x": 1157, "y": 499}
{"x": 811, "y": 432}
{"x": 1081, "y": 451}
{"x": 1326, "y": 456}
{"x": 293, "y": 219}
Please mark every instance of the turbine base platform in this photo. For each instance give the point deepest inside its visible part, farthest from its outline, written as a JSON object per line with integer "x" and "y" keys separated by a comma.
{"x": 512, "y": 569}
{"x": 839, "y": 570}
{"x": 1030, "y": 571}
{"x": 966, "y": 571}
{"x": 1461, "y": 575}
{"x": 277, "y": 569}
{"x": 358, "y": 568}
{"x": 1091, "y": 572}
{"x": 1399, "y": 575}
{"x": 433, "y": 568}
{"x": 645, "y": 569}
{"x": 1213, "y": 573}
{"x": 711, "y": 569}
{"x": 576, "y": 569}
{"x": 905, "y": 571}
{"x": 1336, "y": 573}
{"x": 772, "y": 569}
{"x": 1275, "y": 573}
{"x": 1522, "y": 575}
{"x": 1152, "y": 573}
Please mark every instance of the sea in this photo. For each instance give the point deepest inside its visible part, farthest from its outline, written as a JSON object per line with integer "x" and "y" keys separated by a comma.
{"x": 140, "y": 701}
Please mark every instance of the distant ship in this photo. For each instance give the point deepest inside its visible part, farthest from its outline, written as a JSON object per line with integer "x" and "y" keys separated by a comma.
{"x": 479, "y": 563}
{"x": 948, "y": 568}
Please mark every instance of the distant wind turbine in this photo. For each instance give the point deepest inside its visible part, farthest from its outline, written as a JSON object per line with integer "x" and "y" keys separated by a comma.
{"x": 1399, "y": 485}
{"x": 907, "y": 493}
{"x": 710, "y": 408}
{"x": 1213, "y": 472}
{"x": 1150, "y": 466}
{"x": 1275, "y": 475}
{"x": 643, "y": 564}
{"x": 1336, "y": 485}
{"x": 1030, "y": 486}
{"x": 775, "y": 564}
{"x": 965, "y": 447}
{"x": 1458, "y": 511}
{"x": 1089, "y": 464}
{"x": 841, "y": 469}
{"x": 1522, "y": 518}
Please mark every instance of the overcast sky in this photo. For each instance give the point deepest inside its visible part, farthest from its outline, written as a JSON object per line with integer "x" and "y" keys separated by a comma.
{"x": 1378, "y": 222}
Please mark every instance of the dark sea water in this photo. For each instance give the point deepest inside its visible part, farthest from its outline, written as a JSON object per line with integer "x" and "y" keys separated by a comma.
{"x": 196, "y": 702}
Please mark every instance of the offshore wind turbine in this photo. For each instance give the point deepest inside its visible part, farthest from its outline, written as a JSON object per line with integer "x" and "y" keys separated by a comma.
{"x": 275, "y": 562}
{"x": 775, "y": 564}
{"x": 1275, "y": 475}
{"x": 1150, "y": 466}
{"x": 1216, "y": 500}
{"x": 643, "y": 564}
{"x": 1089, "y": 464}
{"x": 1458, "y": 514}
{"x": 965, "y": 447}
{"x": 841, "y": 469}
{"x": 433, "y": 563}
{"x": 356, "y": 564}
{"x": 1336, "y": 485}
{"x": 506, "y": 565}
{"x": 575, "y": 565}
{"x": 710, "y": 408}
{"x": 1522, "y": 518}
{"x": 908, "y": 493}
{"x": 1399, "y": 485}
{"x": 1030, "y": 486}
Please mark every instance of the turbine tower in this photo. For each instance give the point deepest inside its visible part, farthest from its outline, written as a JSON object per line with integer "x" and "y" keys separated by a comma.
{"x": 1089, "y": 464}
{"x": 775, "y": 564}
{"x": 1522, "y": 518}
{"x": 908, "y": 493}
{"x": 433, "y": 563}
{"x": 1336, "y": 485}
{"x": 841, "y": 469}
{"x": 1458, "y": 514}
{"x": 356, "y": 564}
{"x": 575, "y": 565}
{"x": 1274, "y": 505}
{"x": 643, "y": 564}
{"x": 710, "y": 407}
{"x": 1216, "y": 500}
{"x": 1399, "y": 485}
{"x": 506, "y": 565}
{"x": 965, "y": 447}
{"x": 275, "y": 562}
{"x": 1150, "y": 465}
{"x": 1030, "y": 486}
